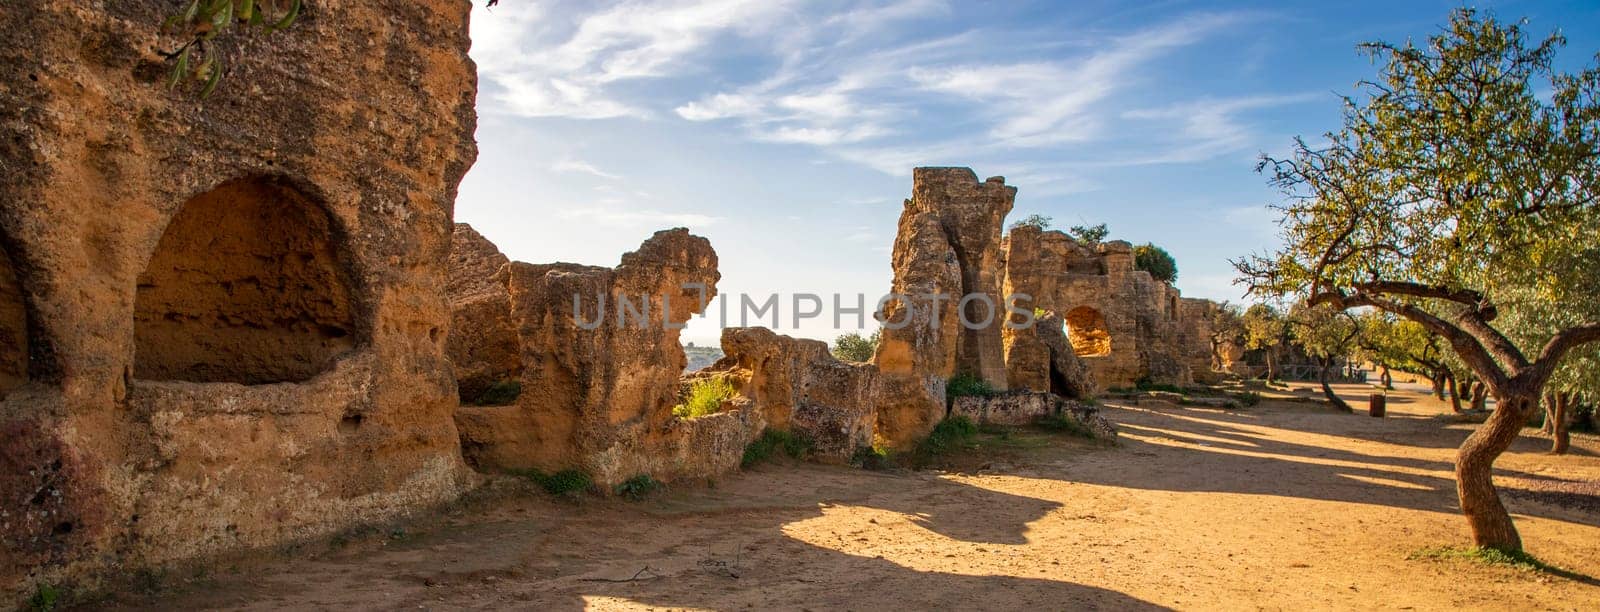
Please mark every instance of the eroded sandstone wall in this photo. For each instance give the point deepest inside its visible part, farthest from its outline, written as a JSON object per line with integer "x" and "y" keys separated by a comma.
{"x": 174, "y": 254}
{"x": 800, "y": 387}
{"x": 598, "y": 382}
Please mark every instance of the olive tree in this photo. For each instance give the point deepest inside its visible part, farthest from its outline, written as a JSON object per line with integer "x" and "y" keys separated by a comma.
{"x": 1468, "y": 167}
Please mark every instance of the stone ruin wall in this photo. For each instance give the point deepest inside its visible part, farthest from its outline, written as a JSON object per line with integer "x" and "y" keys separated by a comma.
{"x": 222, "y": 322}
{"x": 1126, "y": 326}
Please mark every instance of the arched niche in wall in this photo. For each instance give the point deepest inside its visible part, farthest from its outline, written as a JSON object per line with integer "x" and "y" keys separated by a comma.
{"x": 1086, "y": 330}
{"x": 249, "y": 284}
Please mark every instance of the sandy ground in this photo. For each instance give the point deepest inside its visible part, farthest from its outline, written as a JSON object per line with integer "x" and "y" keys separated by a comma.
{"x": 1282, "y": 506}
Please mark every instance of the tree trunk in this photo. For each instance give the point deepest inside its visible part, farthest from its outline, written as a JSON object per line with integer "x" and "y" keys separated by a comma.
{"x": 1480, "y": 396}
{"x": 1455, "y": 392}
{"x": 1548, "y": 427}
{"x": 1491, "y": 524}
{"x": 1333, "y": 398}
{"x": 1388, "y": 381}
{"x": 1438, "y": 385}
{"x": 1272, "y": 366}
{"x": 1562, "y": 442}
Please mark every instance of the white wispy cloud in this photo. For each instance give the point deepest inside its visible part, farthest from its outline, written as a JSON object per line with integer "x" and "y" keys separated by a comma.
{"x": 630, "y": 218}
{"x": 582, "y": 167}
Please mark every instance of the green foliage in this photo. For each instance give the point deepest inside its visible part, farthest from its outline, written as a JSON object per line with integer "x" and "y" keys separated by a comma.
{"x": 855, "y": 347}
{"x": 1090, "y": 234}
{"x": 1264, "y": 327}
{"x": 771, "y": 443}
{"x": 1062, "y": 423}
{"x": 1247, "y": 398}
{"x": 638, "y": 487}
{"x": 967, "y": 385}
{"x": 873, "y": 458}
{"x": 503, "y": 393}
{"x": 200, "y": 24}
{"x": 45, "y": 598}
{"x": 705, "y": 397}
{"x": 951, "y": 434}
{"x": 1040, "y": 222}
{"x": 1157, "y": 261}
{"x": 565, "y": 483}
{"x": 1489, "y": 556}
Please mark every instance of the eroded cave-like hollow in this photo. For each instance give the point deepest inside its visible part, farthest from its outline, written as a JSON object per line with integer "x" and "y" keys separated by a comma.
{"x": 247, "y": 285}
{"x": 13, "y": 328}
{"x": 1086, "y": 330}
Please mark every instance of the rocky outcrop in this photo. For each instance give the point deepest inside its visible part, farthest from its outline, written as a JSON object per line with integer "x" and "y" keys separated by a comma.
{"x": 483, "y": 345}
{"x": 799, "y": 387}
{"x": 600, "y": 366}
{"x": 234, "y": 307}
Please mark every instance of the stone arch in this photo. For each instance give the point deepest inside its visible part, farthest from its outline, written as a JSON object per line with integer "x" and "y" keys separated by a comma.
{"x": 1086, "y": 330}
{"x": 14, "y": 343}
{"x": 249, "y": 284}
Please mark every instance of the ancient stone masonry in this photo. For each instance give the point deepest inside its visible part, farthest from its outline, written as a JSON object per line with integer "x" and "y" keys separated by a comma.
{"x": 1126, "y": 326}
{"x": 222, "y": 322}
{"x": 597, "y": 389}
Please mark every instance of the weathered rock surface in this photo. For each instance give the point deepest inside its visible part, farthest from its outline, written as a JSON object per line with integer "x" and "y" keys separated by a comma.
{"x": 1123, "y": 324}
{"x": 1029, "y": 407}
{"x": 800, "y": 387}
{"x": 483, "y": 345}
{"x": 949, "y": 245}
{"x": 234, "y": 307}
{"x": 1040, "y": 358}
{"x": 601, "y": 362}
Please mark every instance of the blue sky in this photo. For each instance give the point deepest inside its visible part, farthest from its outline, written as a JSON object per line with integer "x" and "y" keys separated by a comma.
{"x": 786, "y": 130}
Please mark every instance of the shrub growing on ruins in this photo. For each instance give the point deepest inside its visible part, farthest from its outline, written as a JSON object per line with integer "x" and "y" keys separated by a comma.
{"x": 565, "y": 483}
{"x": 771, "y": 443}
{"x": 967, "y": 385}
{"x": 855, "y": 347}
{"x": 1157, "y": 261}
{"x": 1040, "y": 222}
{"x": 705, "y": 397}
{"x": 1463, "y": 187}
{"x": 951, "y": 434}
{"x": 638, "y": 487}
{"x": 1089, "y": 234}
{"x": 872, "y": 458}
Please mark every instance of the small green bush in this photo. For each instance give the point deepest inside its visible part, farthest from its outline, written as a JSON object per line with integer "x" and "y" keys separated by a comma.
{"x": 949, "y": 435}
{"x": 967, "y": 385}
{"x": 1064, "y": 424}
{"x": 1248, "y": 398}
{"x": 502, "y": 393}
{"x": 567, "y": 483}
{"x": 772, "y": 442}
{"x": 638, "y": 487}
{"x": 705, "y": 397}
{"x": 873, "y": 458}
{"x": 45, "y": 598}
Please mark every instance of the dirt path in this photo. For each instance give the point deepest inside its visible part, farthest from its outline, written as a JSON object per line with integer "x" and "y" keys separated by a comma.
{"x": 1285, "y": 505}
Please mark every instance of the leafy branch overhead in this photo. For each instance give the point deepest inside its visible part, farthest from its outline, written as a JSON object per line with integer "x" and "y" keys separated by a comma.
{"x": 202, "y": 22}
